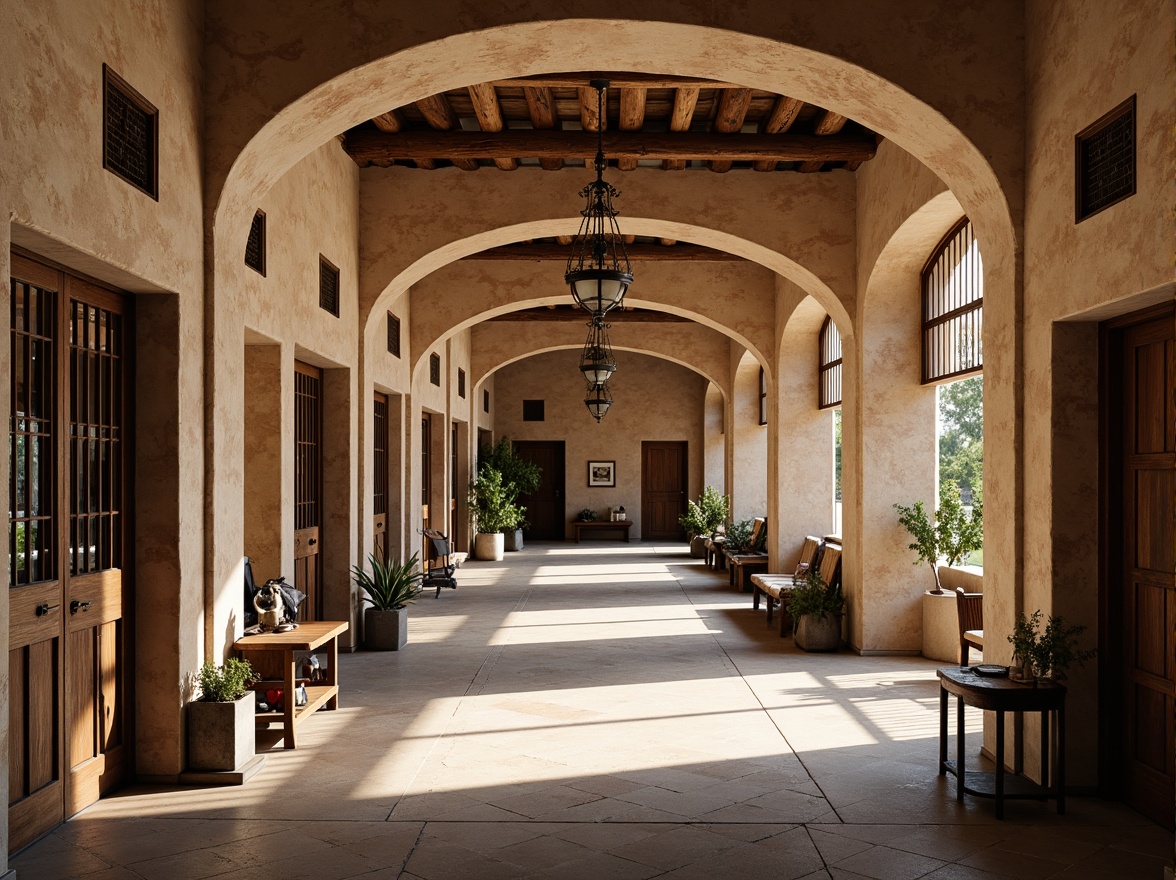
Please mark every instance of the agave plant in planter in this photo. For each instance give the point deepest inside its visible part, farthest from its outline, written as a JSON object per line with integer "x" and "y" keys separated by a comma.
{"x": 389, "y": 587}
{"x": 220, "y": 722}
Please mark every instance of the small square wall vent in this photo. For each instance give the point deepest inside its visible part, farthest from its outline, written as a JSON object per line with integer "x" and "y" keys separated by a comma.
{"x": 461, "y": 383}
{"x": 532, "y": 410}
{"x": 1104, "y": 159}
{"x": 130, "y": 134}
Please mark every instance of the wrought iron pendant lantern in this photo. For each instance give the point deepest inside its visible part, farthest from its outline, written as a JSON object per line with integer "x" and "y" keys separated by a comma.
{"x": 596, "y": 360}
{"x": 598, "y": 400}
{"x": 598, "y": 270}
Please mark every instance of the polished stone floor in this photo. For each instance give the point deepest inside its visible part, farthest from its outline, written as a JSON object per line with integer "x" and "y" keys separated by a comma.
{"x": 603, "y": 710}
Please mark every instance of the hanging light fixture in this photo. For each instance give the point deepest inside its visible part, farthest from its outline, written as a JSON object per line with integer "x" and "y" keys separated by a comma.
{"x": 598, "y": 270}
{"x": 598, "y": 401}
{"x": 596, "y": 360}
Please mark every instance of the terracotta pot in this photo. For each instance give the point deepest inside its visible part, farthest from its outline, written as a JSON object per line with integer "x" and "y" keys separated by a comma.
{"x": 221, "y": 735}
{"x": 815, "y": 633}
{"x": 489, "y": 546}
{"x": 385, "y": 630}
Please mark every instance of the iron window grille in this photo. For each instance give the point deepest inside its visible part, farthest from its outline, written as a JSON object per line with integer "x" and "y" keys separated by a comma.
{"x": 829, "y": 366}
{"x": 393, "y": 335}
{"x": 328, "y": 286}
{"x": 953, "y": 307}
{"x": 1104, "y": 161}
{"x": 130, "y": 134}
{"x": 435, "y": 369}
{"x": 255, "y": 246}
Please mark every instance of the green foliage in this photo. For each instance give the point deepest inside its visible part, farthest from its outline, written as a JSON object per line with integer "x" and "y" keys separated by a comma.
{"x": 812, "y": 595}
{"x": 952, "y": 536}
{"x": 492, "y": 503}
{"x": 1051, "y": 652}
{"x": 587, "y": 515}
{"x": 739, "y": 535}
{"x": 223, "y": 684}
{"x": 961, "y": 439}
{"x": 705, "y": 516}
{"x": 524, "y": 476}
{"x": 391, "y": 585}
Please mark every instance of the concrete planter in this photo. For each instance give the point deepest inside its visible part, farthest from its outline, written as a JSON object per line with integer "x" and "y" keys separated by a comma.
{"x": 698, "y": 546}
{"x": 221, "y": 735}
{"x": 815, "y": 633}
{"x": 385, "y": 630}
{"x": 489, "y": 546}
{"x": 513, "y": 540}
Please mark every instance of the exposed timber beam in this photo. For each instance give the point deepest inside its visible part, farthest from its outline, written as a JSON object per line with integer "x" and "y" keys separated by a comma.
{"x": 732, "y": 111}
{"x": 829, "y": 124}
{"x": 566, "y": 313}
{"x": 541, "y": 106}
{"x": 616, "y": 81}
{"x": 441, "y": 117}
{"x": 389, "y": 122}
{"x": 632, "y": 119}
{"x": 780, "y": 120}
{"x": 379, "y": 148}
{"x": 685, "y": 100}
{"x": 637, "y": 252}
{"x": 489, "y": 114}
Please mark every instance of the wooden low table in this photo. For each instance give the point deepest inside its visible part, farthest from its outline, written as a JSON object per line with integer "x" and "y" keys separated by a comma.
{"x": 1001, "y": 695}
{"x": 272, "y": 657}
{"x": 741, "y": 566}
{"x": 578, "y": 528}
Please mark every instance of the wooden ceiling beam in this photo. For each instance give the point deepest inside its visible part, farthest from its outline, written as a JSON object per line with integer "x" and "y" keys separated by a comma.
{"x": 733, "y": 106}
{"x": 541, "y": 106}
{"x": 590, "y": 118}
{"x": 546, "y": 251}
{"x": 632, "y": 119}
{"x": 616, "y": 81}
{"x": 829, "y": 124}
{"x": 441, "y": 117}
{"x": 489, "y": 115}
{"x": 378, "y": 148}
{"x": 389, "y": 122}
{"x": 685, "y": 100}
{"x": 780, "y": 120}
{"x": 567, "y": 313}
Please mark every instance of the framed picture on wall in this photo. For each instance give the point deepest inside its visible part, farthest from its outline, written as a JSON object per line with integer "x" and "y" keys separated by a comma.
{"x": 602, "y": 473}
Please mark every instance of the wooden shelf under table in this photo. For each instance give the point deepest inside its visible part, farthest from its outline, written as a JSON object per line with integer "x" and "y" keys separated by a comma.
{"x": 272, "y": 656}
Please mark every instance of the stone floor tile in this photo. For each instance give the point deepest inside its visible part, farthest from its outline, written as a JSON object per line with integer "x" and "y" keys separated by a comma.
{"x": 1012, "y": 864}
{"x": 676, "y": 847}
{"x": 884, "y": 863}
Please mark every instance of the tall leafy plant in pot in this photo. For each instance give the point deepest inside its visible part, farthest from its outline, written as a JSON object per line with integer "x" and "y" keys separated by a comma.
{"x": 494, "y": 512}
{"x": 703, "y": 518}
{"x": 388, "y": 588}
{"x": 519, "y": 477}
{"x": 951, "y": 537}
{"x": 220, "y": 722}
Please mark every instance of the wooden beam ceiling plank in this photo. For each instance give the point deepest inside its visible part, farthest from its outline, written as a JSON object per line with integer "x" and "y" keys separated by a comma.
{"x": 778, "y": 122}
{"x": 549, "y": 251}
{"x": 575, "y": 313}
{"x": 541, "y": 106}
{"x": 389, "y": 122}
{"x": 829, "y": 123}
{"x": 441, "y": 117}
{"x": 368, "y": 147}
{"x": 632, "y": 118}
{"x": 590, "y": 117}
{"x": 564, "y": 240}
{"x": 485, "y": 103}
{"x": 685, "y": 100}
{"x": 616, "y": 81}
{"x": 729, "y": 118}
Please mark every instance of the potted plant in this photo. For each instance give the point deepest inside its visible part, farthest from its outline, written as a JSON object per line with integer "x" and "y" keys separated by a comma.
{"x": 704, "y": 518}
{"x": 519, "y": 476}
{"x": 1045, "y": 656}
{"x": 388, "y": 589}
{"x": 952, "y": 536}
{"x": 816, "y": 609}
{"x": 739, "y": 535}
{"x": 587, "y": 515}
{"x": 220, "y": 722}
{"x": 494, "y": 512}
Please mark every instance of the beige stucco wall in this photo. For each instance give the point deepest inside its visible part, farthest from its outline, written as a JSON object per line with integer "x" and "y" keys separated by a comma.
{"x": 748, "y": 449}
{"x": 714, "y": 439}
{"x": 653, "y": 400}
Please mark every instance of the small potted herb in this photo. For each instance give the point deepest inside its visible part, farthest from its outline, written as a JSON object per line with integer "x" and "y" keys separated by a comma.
{"x": 1045, "y": 656}
{"x": 388, "y": 589}
{"x": 220, "y": 722}
{"x": 816, "y": 609}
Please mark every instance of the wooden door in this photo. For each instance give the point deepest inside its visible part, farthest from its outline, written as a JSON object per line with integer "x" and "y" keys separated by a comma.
{"x": 380, "y": 476}
{"x": 308, "y": 487}
{"x": 426, "y": 482}
{"x": 546, "y": 515}
{"x": 69, "y": 700}
{"x": 1138, "y": 589}
{"x": 664, "y": 478}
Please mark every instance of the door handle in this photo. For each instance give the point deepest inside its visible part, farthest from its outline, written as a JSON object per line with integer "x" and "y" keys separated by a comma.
{"x": 44, "y": 608}
{"x": 75, "y": 606}
{"x": 312, "y": 542}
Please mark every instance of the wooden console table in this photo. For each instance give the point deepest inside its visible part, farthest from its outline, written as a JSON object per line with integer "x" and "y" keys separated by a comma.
{"x": 741, "y": 566}
{"x": 272, "y": 657}
{"x": 601, "y": 525}
{"x": 1001, "y": 695}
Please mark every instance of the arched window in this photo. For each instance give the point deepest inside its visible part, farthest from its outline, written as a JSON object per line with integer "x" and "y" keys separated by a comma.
{"x": 953, "y": 307}
{"x": 829, "y": 375}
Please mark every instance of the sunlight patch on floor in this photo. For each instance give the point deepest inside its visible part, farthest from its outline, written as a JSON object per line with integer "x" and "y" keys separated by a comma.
{"x": 434, "y": 629}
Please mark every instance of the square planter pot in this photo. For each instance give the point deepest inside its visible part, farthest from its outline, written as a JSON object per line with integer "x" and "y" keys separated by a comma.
{"x": 698, "y": 547}
{"x": 513, "y": 540}
{"x": 385, "y": 630}
{"x": 221, "y": 735}
{"x": 819, "y": 633}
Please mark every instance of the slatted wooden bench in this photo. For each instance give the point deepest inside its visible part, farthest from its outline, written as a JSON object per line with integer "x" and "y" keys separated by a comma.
{"x": 622, "y": 525}
{"x": 777, "y": 587}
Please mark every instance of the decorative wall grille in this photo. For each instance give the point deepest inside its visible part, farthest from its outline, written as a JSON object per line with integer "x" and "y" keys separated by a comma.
{"x": 829, "y": 366}
{"x": 533, "y": 410}
{"x": 328, "y": 286}
{"x": 393, "y": 335}
{"x": 255, "y": 246}
{"x": 953, "y": 307}
{"x": 461, "y": 383}
{"x": 130, "y": 134}
{"x": 435, "y": 369}
{"x": 1104, "y": 159}
{"x": 486, "y": 401}
{"x": 380, "y": 456}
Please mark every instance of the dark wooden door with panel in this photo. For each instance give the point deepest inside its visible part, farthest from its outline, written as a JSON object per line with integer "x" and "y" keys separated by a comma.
{"x": 546, "y": 512}
{"x": 308, "y": 487}
{"x": 380, "y": 477}
{"x": 69, "y": 587}
{"x": 663, "y": 489}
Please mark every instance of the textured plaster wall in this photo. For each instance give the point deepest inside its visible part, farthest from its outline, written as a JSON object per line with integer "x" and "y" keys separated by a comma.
{"x": 58, "y": 201}
{"x": 1112, "y": 263}
{"x": 714, "y": 439}
{"x": 654, "y": 400}
{"x": 748, "y": 449}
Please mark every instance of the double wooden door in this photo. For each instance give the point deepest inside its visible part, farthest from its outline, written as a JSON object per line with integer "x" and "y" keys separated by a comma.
{"x": 1138, "y": 620}
{"x": 546, "y": 512}
{"x": 68, "y": 526}
{"x": 664, "y": 475}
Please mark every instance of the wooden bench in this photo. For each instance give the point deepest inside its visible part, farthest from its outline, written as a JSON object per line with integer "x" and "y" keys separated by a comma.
{"x": 777, "y": 587}
{"x": 623, "y": 525}
{"x": 773, "y": 586}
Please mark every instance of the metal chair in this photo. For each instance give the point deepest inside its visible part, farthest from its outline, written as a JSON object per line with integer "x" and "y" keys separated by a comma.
{"x": 970, "y": 616}
{"x": 440, "y": 565}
